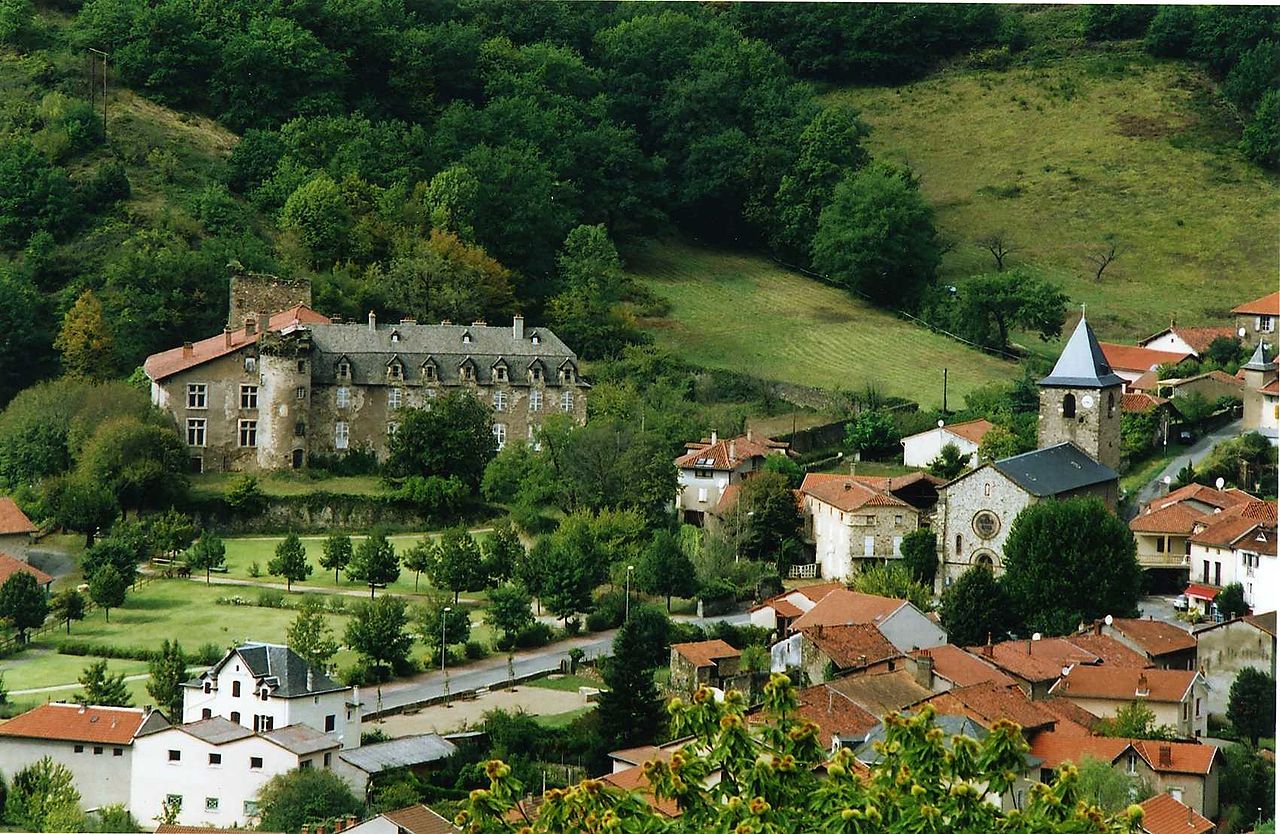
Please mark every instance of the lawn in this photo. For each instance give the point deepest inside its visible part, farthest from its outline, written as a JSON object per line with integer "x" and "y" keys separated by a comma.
{"x": 291, "y": 483}
{"x": 242, "y": 552}
{"x": 36, "y": 668}
{"x": 564, "y": 683}
{"x": 1089, "y": 144}
{"x": 744, "y": 313}
{"x": 562, "y": 719}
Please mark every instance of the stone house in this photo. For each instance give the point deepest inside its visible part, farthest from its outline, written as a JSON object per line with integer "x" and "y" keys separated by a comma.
{"x": 920, "y": 449}
{"x": 15, "y": 529}
{"x": 1140, "y": 402}
{"x": 1192, "y": 340}
{"x": 1164, "y": 645}
{"x": 1130, "y": 362}
{"x": 852, "y": 524}
{"x": 828, "y": 652}
{"x": 777, "y": 613}
{"x": 1212, "y": 385}
{"x": 703, "y": 663}
{"x": 709, "y": 467}
{"x": 901, "y": 623}
{"x": 9, "y": 566}
{"x": 279, "y": 388}
{"x": 1256, "y": 320}
{"x": 1177, "y": 697}
{"x": 97, "y": 744}
{"x": 1225, "y": 648}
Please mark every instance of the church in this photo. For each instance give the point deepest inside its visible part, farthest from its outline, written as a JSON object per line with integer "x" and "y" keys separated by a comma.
{"x": 1079, "y": 451}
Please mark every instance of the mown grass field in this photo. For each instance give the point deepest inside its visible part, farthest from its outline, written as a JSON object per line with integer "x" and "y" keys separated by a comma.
{"x": 291, "y": 483}
{"x": 1085, "y": 146}
{"x": 744, "y": 313}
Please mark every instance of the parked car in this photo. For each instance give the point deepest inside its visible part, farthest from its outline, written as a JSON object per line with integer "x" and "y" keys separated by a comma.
{"x": 1181, "y": 603}
{"x": 1186, "y": 436}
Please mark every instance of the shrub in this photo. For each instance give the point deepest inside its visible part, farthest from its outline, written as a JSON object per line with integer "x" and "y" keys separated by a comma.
{"x": 474, "y": 650}
{"x": 271, "y": 599}
{"x": 255, "y": 570}
{"x": 534, "y": 636}
{"x": 338, "y": 604}
{"x": 572, "y": 626}
{"x": 608, "y": 613}
{"x": 245, "y": 495}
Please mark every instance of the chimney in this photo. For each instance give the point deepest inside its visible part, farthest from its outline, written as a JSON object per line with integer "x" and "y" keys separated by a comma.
{"x": 306, "y": 829}
{"x": 338, "y": 826}
{"x": 408, "y": 320}
{"x": 1142, "y": 685}
{"x": 188, "y": 350}
{"x": 1097, "y": 627}
{"x": 264, "y": 322}
{"x": 987, "y": 650}
{"x": 862, "y": 660}
{"x": 250, "y": 326}
{"x": 924, "y": 669}
{"x": 750, "y": 435}
{"x": 351, "y": 820}
{"x": 373, "y": 321}
{"x": 819, "y": 629}
{"x": 355, "y": 695}
{"x": 311, "y": 679}
{"x": 320, "y": 829}
{"x": 480, "y": 323}
{"x": 444, "y": 322}
{"x": 517, "y": 327}
{"x": 1166, "y": 755}
{"x": 733, "y": 450}
{"x": 226, "y": 337}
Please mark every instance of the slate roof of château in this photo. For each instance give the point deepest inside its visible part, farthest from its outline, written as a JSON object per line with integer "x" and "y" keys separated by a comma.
{"x": 284, "y": 669}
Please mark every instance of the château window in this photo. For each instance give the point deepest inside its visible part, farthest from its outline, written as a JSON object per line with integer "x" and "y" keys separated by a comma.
{"x": 958, "y": 544}
{"x": 393, "y": 370}
{"x": 196, "y": 431}
{"x": 500, "y": 435}
{"x": 566, "y": 401}
{"x": 1069, "y": 405}
{"x": 1111, "y": 405}
{"x": 429, "y": 372}
{"x": 568, "y": 374}
{"x": 467, "y": 373}
{"x": 344, "y": 369}
{"x": 341, "y": 434}
{"x": 343, "y": 396}
{"x": 535, "y": 400}
{"x": 248, "y": 434}
{"x": 536, "y": 373}
{"x": 251, "y": 364}
{"x": 302, "y": 366}
{"x": 248, "y": 396}
{"x": 301, "y": 393}
{"x": 500, "y": 373}
{"x": 197, "y": 395}
{"x": 466, "y": 338}
{"x": 535, "y": 339}
{"x": 393, "y": 398}
{"x": 499, "y": 400}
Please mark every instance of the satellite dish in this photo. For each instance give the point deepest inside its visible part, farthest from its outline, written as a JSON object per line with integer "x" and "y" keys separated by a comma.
{"x": 1108, "y": 619}
{"x": 1066, "y": 670}
{"x": 941, "y": 423}
{"x": 1240, "y": 333}
{"x": 1035, "y": 636}
{"x": 1220, "y": 483}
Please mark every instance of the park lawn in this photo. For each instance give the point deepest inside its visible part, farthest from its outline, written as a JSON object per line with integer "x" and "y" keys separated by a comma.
{"x": 292, "y": 483}
{"x": 562, "y": 719}
{"x": 36, "y": 668}
{"x": 242, "y": 552}
{"x": 565, "y": 683}
{"x": 1068, "y": 150}
{"x": 21, "y": 703}
{"x": 744, "y": 313}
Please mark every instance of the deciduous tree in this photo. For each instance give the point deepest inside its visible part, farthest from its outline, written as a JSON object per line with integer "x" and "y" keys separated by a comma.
{"x": 453, "y": 439}
{"x": 289, "y": 800}
{"x": 510, "y": 610}
{"x": 85, "y": 341}
{"x": 458, "y": 564}
{"x": 1251, "y": 709}
{"x": 920, "y": 555}
{"x": 1230, "y": 601}
{"x": 290, "y": 561}
{"x": 206, "y": 553}
{"x": 337, "y": 554}
{"x": 375, "y": 562}
{"x": 421, "y": 558}
{"x": 975, "y": 608}
{"x": 990, "y": 305}
{"x": 42, "y": 797}
{"x": 23, "y": 603}
{"x": 67, "y": 605}
{"x": 949, "y": 463}
{"x": 309, "y": 634}
{"x": 664, "y": 569}
{"x": 168, "y": 670}
{"x": 378, "y": 631}
{"x": 503, "y": 550}
{"x": 107, "y": 588}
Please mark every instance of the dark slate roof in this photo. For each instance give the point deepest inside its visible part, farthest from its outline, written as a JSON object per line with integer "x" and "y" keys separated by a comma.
{"x": 408, "y": 751}
{"x": 301, "y": 739}
{"x": 1261, "y": 360}
{"x": 283, "y": 669}
{"x": 371, "y": 351}
{"x": 216, "y": 730}
{"x": 1082, "y": 364}
{"x": 1054, "y": 470}
{"x": 951, "y": 726}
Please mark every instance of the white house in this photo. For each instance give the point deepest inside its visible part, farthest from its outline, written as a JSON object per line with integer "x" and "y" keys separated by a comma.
{"x": 777, "y": 613}
{"x": 920, "y": 449}
{"x": 97, "y": 744}
{"x": 213, "y": 769}
{"x": 1189, "y": 340}
{"x": 1129, "y": 362}
{"x": 261, "y": 686}
{"x": 1237, "y": 545}
{"x": 708, "y": 467}
{"x": 852, "y": 523}
{"x": 902, "y": 624}
{"x": 416, "y": 819}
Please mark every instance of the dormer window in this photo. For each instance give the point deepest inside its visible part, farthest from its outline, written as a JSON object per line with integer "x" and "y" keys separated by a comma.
{"x": 535, "y": 338}
{"x": 467, "y": 371}
{"x": 395, "y": 370}
{"x": 536, "y": 372}
{"x": 466, "y": 337}
{"x": 568, "y": 373}
{"x": 344, "y": 369}
{"x": 499, "y": 373}
{"x": 429, "y": 372}
{"x": 395, "y": 336}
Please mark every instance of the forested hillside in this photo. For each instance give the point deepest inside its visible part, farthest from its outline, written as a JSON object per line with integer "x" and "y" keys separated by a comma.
{"x": 467, "y": 159}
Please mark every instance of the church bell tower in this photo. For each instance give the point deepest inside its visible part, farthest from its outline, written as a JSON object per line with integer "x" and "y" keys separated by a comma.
{"x": 1080, "y": 400}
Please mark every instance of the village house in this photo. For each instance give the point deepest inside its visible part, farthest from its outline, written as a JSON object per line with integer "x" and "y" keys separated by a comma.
{"x": 97, "y": 744}
{"x": 1130, "y": 362}
{"x": 9, "y": 566}
{"x": 989, "y": 703}
{"x": 880, "y": 694}
{"x": 1164, "y": 645}
{"x": 835, "y": 715}
{"x": 709, "y": 467}
{"x": 1036, "y": 664}
{"x": 852, "y": 524}
{"x": 922, "y": 448}
{"x": 1177, "y": 697}
{"x": 904, "y": 626}
{"x": 286, "y": 383}
{"x": 777, "y": 613}
{"x": 1140, "y": 402}
{"x": 703, "y": 663}
{"x": 213, "y": 769}
{"x": 15, "y": 529}
{"x": 1256, "y": 320}
{"x": 1236, "y": 545}
{"x": 1212, "y": 385}
{"x": 1225, "y": 648}
{"x": 1162, "y": 814}
{"x": 1260, "y": 376}
{"x": 1189, "y": 340}
{"x": 416, "y": 819}
{"x": 1186, "y": 771}
{"x": 418, "y": 754}
{"x": 1162, "y": 529}
{"x": 828, "y": 652}
{"x": 262, "y": 686}
{"x": 946, "y": 667}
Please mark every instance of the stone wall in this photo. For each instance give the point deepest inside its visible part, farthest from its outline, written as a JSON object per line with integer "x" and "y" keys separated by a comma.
{"x": 984, "y": 489}
{"x": 1094, "y": 428}
{"x": 253, "y": 292}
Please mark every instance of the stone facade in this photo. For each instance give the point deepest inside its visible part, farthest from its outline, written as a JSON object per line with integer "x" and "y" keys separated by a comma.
{"x": 988, "y": 492}
{"x": 1225, "y": 649}
{"x": 1087, "y": 417}
{"x": 867, "y": 535}
{"x": 252, "y": 292}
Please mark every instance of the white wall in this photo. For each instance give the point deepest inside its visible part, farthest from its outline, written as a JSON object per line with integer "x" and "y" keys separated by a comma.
{"x": 101, "y": 777}
{"x": 908, "y": 628}
{"x": 920, "y": 449}
{"x": 785, "y": 653}
{"x": 693, "y": 489}
{"x": 1171, "y": 342}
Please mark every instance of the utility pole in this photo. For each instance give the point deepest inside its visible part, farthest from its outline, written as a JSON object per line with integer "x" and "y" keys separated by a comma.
{"x": 944, "y": 390}
{"x": 94, "y": 55}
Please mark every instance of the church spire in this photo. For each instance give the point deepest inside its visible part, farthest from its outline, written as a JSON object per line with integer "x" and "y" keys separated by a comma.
{"x": 1261, "y": 359}
{"x": 1082, "y": 364}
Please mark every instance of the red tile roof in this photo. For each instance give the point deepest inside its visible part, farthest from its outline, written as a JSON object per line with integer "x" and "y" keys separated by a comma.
{"x": 727, "y": 454}
{"x": 1199, "y": 338}
{"x": 1118, "y": 683}
{"x": 971, "y": 430}
{"x": 1195, "y": 589}
{"x": 1173, "y": 518}
{"x": 813, "y": 593}
{"x": 1149, "y": 381}
{"x": 633, "y": 779}
{"x": 832, "y": 711}
{"x": 197, "y": 829}
{"x": 849, "y": 646}
{"x": 12, "y": 519}
{"x": 705, "y": 652}
{"x": 1133, "y": 358}
{"x": 419, "y": 819}
{"x": 1220, "y": 498}
{"x": 1177, "y": 756}
{"x": 1263, "y": 622}
{"x": 1235, "y": 530}
{"x": 961, "y": 668}
{"x": 882, "y": 693}
{"x": 845, "y": 607}
{"x": 988, "y": 703}
{"x": 1109, "y": 650}
{"x": 1162, "y": 814}
{"x": 846, "y": 493}
{"x": 1155, "y": 637}
{"x": 1272, "y": 387}
{"x": 1140, "y": 403}
{"x": 169, "y": 362}
{"x": 1055, "y": 749}
{"x": 1075, "y": 719}
{"x": 1034, "y": 661}
{"x": 9, "y": 566}
{"x": 72, "y": 722}
{"x": 1268, "y": 305}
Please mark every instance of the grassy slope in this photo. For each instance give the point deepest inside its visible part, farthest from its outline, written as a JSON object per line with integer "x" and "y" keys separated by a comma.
{"x": 742, "y": 312}
{"x": 1090, "y": 143}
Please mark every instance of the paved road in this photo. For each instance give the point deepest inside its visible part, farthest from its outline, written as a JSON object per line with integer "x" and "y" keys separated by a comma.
{"x": 493, "y": 671}
{"x": 1178, "y": 457}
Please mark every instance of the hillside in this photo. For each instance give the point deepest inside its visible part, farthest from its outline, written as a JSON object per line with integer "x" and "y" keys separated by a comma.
{"x": 744, "y": 313}
{"x": 1096, "y": 143}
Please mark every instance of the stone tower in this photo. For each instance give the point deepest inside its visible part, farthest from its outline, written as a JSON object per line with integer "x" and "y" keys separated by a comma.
{"x": 1260, "y": 370}
{"x": 1080, "y": 400}
{"x": 252, "y": 293}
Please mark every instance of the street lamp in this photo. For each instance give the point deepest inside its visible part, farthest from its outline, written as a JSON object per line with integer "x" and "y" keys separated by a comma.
{"x": 626, "y": 617}
{"x": 444, "y": 619}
